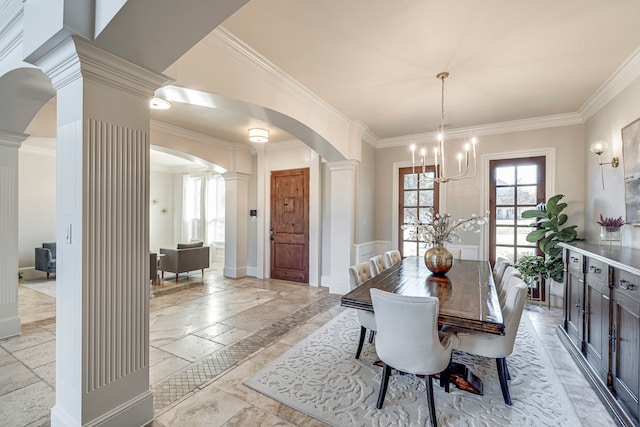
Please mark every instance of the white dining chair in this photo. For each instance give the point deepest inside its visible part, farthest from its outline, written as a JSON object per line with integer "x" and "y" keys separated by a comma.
{"x": 403, "y": 346}
{"x": 496, "y": 346}
{"x": 498, "y": 268}
{"x": 392, "y": 258}
{"x": 510, "y": 271}
{"x": 358, "y": 274}
{"x": 377, "y": 265}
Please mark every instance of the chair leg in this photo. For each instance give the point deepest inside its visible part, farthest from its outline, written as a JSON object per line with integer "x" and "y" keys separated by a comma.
{"x": 47, "y": 275}
{"x": 383, "y": 385}
{"x": 363, "y": 332}
{"x": 506, "y": 368}
{"x": 176, "y": 277}
{"x": 502, "y": 375}
{"x": 432, "y": 404}
{"x": 371, "y": 335}
{"x": 445, "y": 379}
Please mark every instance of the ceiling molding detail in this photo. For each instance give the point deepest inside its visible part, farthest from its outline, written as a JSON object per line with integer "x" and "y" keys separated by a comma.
{"x": 624, "y": 75}
{"x": 226, "y": 42}
{"x": 179, "y": 132}
{"x": 11, "y": 33}
{"x": 534, "y": 123}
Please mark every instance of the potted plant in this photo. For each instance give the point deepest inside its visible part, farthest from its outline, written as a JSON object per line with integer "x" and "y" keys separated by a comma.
{"x": 610, "y": 228}
{"x": 532, "y": 269}
{"x": 550, "y": 231}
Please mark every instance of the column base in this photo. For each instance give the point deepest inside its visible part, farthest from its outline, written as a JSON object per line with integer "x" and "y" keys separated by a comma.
{"x": 234, "y": 273}
{"x": 136, "y": 412}
{"x": 10, "y": 327}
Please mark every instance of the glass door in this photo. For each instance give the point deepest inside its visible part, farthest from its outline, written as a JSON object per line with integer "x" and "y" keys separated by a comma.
{"x": 419, "y": 195}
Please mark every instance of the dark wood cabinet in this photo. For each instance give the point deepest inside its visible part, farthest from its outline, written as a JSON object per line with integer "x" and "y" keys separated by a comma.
{"x": 601, "y": 323}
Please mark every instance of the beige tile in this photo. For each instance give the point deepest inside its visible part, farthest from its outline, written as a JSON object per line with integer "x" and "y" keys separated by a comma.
{"x": 47, "y": 373}
{"x": 255, "y": 417}
{"x": 38, "y": 355}
{"x": 156, "y": 355}
{"x": 231, "y": 336}
{"x": 165, "y": 368}
{"x": 6, "y": 357}
{"x": 26, "y": 405}
{"x": 213, "y": 331}
{"x": 191, "y": 347}
{"x": 270, "y": 353}
{"x": 281, "y": 411}
{"x": 210, "y": 407}
{"x": 26, "y": 340}
{"x": 14, "y": 376}
{"x": 232, "y": 382}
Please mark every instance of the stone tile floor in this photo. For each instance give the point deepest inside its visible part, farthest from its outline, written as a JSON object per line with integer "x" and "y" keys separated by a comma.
{"x": 207, "y": 335}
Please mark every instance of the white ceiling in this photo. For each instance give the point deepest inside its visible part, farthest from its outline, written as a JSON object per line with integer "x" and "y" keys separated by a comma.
{"x": 376, "y": 60}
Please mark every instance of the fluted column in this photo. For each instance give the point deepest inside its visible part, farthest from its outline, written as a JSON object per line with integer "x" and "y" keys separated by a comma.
{"x": 102, "y": 305}
{"x": 235, "y": 224}
{"x": 343, "y": 210}
{"x": 9, "y": 318}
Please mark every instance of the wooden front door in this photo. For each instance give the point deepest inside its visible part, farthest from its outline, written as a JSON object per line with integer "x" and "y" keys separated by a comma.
{"x": 290, "y": 225}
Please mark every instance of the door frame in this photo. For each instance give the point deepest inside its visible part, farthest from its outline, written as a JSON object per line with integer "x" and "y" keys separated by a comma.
{"x": 550, "y": 178}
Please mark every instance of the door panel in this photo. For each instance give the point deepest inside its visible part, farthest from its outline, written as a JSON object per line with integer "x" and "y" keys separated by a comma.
{"x": 626, "y": 350}
{"x": 290, "y": 225}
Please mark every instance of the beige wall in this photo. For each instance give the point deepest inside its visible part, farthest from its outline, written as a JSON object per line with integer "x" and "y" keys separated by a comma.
{"x": 607, "y": 124}
{"x": 161, "y": 211}
{"x": 463, "y": 198}
{"x": 365, "y": 196}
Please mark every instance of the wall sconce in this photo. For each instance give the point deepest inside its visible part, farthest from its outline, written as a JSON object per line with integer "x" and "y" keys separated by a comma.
{"x": 598, "y": 148}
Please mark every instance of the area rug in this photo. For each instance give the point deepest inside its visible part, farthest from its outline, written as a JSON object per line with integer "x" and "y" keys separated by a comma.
{"x": 320, "y": 377}
{"x": 47, "y": 288}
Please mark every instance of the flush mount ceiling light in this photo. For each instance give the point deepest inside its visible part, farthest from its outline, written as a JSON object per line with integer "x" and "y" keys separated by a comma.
{"x": 159, "y": 104}
{"x": 258, "y": 135}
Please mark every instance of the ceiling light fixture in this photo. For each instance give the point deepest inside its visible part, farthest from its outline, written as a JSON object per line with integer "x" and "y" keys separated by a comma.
{"x": 598, "y": 148}
{"x": 258, "y": 135}
{"x": 159, "y": 104}
{"x": 464, "y": 171}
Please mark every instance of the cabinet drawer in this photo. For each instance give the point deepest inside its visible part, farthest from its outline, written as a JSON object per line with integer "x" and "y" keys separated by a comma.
{"x": 597, "y": 270}
{"x": 575, "y": 261}
{"x": 627, "y": 284}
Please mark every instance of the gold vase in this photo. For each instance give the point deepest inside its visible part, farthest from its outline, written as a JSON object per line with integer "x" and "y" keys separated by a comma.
{"x": 438, "y": 260}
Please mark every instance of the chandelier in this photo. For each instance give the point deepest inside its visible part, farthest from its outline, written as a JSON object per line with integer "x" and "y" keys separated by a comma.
{"x": 464, "y": 169}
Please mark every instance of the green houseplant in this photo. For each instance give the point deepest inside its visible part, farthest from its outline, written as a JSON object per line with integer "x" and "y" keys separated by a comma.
{"x": 532, "y": 268}
{"x": 550, "y": 231}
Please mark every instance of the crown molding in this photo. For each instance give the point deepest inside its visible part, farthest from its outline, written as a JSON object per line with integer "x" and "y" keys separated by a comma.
{"x": 226, "y": 42}
{"x": 624, "y": 75}
{"x": 522, "y": 125}
{"x": 11, "y": 32}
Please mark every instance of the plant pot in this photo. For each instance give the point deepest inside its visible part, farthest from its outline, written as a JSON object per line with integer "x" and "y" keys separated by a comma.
{"x": 610, "y": 234}
{"x": 438, "y": 260}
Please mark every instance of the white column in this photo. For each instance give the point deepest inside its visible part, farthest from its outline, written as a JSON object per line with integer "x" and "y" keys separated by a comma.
{"x": 102, "y": 305}
{"x": 343, "y": 204}
{"x": 235, "y": 224}
{"x": 9, "y": 318}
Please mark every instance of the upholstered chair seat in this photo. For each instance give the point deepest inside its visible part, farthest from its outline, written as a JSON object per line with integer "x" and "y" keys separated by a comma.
{"x": 497, "y": 346}
{"x": 403, "y": 346}
{"x": 392, "y": 258}
{"x": 358, "y": 274}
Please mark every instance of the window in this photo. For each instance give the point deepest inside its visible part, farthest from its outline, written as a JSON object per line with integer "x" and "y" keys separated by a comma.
{"x": 417, "y": 199}
{"x": 516, "y": 185}
{"x": 203, "y": 208}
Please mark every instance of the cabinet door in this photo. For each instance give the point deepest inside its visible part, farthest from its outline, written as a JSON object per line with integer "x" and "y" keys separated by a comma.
{"x": 575, "y": 304}
{"x": 597, "y": 327}
{"x": 626, "y": 352}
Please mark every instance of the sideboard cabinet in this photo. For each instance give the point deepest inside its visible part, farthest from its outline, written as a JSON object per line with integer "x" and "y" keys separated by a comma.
{"x": 601, "y": 322}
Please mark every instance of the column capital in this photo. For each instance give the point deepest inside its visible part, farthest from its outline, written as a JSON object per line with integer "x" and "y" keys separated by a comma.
{"x": 12, "y": 139}
{"x": 236, "y": 176}
{"x": 75, "y": 58}
{"x": 343, "y": 165}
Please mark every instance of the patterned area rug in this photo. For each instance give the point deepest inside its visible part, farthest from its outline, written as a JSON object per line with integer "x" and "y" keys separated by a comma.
{"x": 47, "y": 288}
{"x": 320, "y": 377}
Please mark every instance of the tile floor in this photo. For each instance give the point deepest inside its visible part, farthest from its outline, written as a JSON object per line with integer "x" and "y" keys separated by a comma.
{"x": 206, "y": 337}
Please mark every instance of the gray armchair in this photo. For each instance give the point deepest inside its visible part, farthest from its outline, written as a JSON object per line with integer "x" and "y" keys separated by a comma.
{"x": 187, "y": 257}
{"x": 46, "y": 258}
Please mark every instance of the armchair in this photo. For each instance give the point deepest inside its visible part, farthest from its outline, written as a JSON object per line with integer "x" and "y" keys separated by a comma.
{"x": 46, "y": 258}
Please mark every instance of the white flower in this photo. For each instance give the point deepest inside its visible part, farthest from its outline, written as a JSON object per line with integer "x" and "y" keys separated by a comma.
{"x": 440, "y": 229}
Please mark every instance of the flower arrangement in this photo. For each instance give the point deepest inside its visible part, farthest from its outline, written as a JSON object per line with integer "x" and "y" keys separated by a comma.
{"x": 611, "y": 222}
{"x": 441, "y": 228}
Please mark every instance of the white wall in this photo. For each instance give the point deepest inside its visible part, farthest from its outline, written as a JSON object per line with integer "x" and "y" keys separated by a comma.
{"x": 607, "y": 124}
{"x": 463, "y": 198}
{"x": 37, "y": 201}
{"x": 365, "y": 196}
{"x": 161, "y": 211}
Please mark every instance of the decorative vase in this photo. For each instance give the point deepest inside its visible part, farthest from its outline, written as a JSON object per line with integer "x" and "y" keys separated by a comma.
{"x": 611, "y": 234}
{"x": 438, "y": 260}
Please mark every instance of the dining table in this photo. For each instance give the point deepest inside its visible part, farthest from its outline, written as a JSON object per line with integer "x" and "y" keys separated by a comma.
{"x": 467, "y": 294}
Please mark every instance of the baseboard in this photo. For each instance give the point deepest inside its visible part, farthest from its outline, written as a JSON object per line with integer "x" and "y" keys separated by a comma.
{"x": 252, "y": 271}
{"x": 136, "y": 412}
{"x": 325, "y": 281}
{"x": 617, "y": 412}
{"x": 234, "y": 273}
{"x": 10, "y": 327}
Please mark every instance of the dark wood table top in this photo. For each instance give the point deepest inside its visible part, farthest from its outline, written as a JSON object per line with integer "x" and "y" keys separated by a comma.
{"x": 468, "y": 296}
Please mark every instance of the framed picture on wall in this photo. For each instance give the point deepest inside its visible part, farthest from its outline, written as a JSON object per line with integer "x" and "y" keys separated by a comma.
{"x": 631, "y": 155}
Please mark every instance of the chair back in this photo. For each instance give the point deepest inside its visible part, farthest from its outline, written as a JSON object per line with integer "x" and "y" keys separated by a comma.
{"x": 377, "y": 265}
{"x": 512, "y": 313}
{"x": 407, "y": 336}
{"x": 499, "y": 267}
{"x": 359, "y": 273}
{"x": 52, "y": 247}
{"x": 392, "y": 258}
{"x": 508, "y": 281}
{"x": 508, "y": 272}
